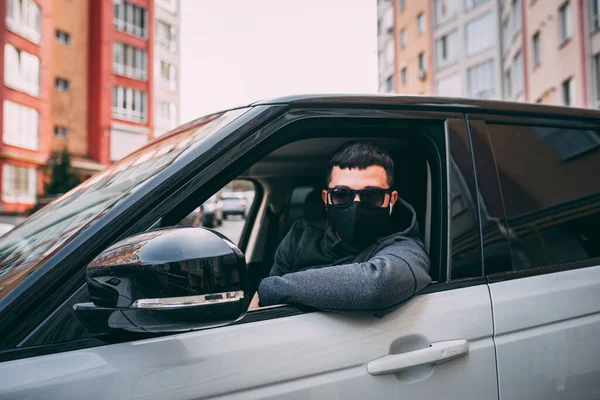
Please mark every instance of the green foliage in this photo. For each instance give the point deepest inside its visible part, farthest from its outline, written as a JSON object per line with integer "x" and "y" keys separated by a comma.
{"x": 62, "y": 177}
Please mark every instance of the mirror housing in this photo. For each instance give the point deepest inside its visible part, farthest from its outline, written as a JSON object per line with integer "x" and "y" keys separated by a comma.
{"x": 167, "y": 280}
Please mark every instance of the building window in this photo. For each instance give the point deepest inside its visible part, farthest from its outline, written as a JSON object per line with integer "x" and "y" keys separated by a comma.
{"x": 60, "y": 132}
{"x": 130, "y": 61}
{"x": 169, "y": 5}
{"x": 445, "y": 10}
{"x": 595, "y": 4}
{"x": 24, "y": 18}
{"x": 421, "y": 23}
{"x": 518, "y": 85}
{"x": 389, "y": 84}
{"x": 564, "y": 16}
{"x": 597, "y": 78}
{"x": 167, "y": 114}
{"x": 450, "y": 86}
{"x": 166, "y": 35}
{"x": 401, "y": 5}
{"x": 19, "y": 184}
{"x": 21, "y": 126}
{"x": 469, "y": 4}
{"x": 129, "y": 104}
{"x": 130, "y": 18}
{"x": 567, "y": 92}
{"x": 480, "y": 34}
{"x": 508, "y": 82}
{"x": 536, "y": 49}
{"x": 21, "y": 70}
{"x": 480, "y": 80}
{"x": 446, "y": 49}
{"x": 403, "y": 38}
{"x": 62, "y": 84}
{"x": 389, "y": 55}
{"x": 422, "y": 62}
{"x": 168, "y": 76}
{"x": 403, "y": 76}
{"x": 63, "y": 37}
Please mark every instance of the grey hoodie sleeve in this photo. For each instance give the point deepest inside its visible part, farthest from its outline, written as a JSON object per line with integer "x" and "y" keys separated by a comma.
{"x": 393, "y": 275}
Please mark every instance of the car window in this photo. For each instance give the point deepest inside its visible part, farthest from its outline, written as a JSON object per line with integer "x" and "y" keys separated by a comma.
{"x": 549, "y": 182}
{"x": 229, "y": 215}
{"x": 25, "y": 248}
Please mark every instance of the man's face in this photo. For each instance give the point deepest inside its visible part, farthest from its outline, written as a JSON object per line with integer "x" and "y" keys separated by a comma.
{"x": 358, "y": 179}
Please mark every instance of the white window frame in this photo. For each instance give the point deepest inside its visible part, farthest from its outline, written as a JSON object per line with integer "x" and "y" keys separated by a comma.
{"x": 571, "y": 92}
{"x": 26, "y": 19}
{"x": 21, "y": 70}
{"x": 166, "y": 35}
{"x": 130, "y": 105}
{"x": 481, "y": 91}
{"x": 451, "y": 54}
{"x": 565, "y": 25}
{"x": 536, "y": 46}
{"x": 595, "y": 15}
{"x": 21, "y": 126}
{"x": 487, "y": 21}
{"x": 403, "y": 38}
{"x": 169, "y": 5}
{"x": 10, "y": 193}
{"x": 133, "y": 61}
{"x": 421, "y": 23}
{"x": 130, "y": 18}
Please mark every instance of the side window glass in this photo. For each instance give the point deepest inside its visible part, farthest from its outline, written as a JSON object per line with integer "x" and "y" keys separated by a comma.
{"x": 551, "y": 191}
{"x": 225, "y": 211}
{"x": 464, "y": 224}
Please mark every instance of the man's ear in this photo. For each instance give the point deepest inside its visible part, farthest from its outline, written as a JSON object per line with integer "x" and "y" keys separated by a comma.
{"x": 324, "y": 196}
{"x": 393, "y": 200}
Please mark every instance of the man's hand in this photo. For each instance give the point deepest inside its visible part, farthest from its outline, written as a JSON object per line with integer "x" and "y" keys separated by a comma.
{"x": 254, "y": 303}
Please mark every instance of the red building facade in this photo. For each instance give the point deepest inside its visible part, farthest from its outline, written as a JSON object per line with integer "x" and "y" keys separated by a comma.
{"x": 121, "y": 67}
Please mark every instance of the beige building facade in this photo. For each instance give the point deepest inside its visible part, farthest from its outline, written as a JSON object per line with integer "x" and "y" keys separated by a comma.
{"x": 555, "y": 40}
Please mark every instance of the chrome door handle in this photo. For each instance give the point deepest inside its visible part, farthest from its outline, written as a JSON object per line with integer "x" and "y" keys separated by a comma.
{"x": 437, "y": 353}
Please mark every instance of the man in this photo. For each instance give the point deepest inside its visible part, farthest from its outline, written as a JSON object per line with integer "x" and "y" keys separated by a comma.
{"x": 356, "y": 260}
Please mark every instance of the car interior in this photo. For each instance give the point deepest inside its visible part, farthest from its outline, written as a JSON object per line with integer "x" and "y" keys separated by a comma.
{"x": 289, "y": 178}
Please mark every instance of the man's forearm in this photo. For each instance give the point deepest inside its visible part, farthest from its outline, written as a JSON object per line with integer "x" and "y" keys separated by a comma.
{"x": 370, "y": 286}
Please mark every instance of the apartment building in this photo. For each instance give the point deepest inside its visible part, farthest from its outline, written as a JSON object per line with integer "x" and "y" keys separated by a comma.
{"x": 414, "y": 59}
{"x": 513, "y": 45}
{"x": 120, "y": 77}
{"x": 26, "y": 32}
{"x": 386, "y": 46}
{"x": 467, "y": 48}
{"x": 69, "y": 83}
{"x": 166, "y": 66}
{"x": 556, "y": 36}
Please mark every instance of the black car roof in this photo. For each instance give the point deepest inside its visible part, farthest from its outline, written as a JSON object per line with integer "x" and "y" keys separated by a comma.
{"x": 428, "y": 102}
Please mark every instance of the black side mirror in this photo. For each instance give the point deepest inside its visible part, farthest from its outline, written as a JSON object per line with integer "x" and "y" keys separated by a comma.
{"x": 168, "y": 280}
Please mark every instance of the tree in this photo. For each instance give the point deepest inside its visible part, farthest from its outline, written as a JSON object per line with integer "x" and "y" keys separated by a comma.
{"x": 62, "y": 177}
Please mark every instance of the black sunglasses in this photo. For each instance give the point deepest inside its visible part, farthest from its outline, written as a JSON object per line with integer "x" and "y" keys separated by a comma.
{"x": 371, "y": 197}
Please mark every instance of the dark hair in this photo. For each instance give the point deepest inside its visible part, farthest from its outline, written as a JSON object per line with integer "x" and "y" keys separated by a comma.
{"x": 362, "y": 154}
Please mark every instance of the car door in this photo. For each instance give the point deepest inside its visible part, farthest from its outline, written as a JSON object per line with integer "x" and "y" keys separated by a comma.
{"x": 545, "y": 284}
{"x": 437, "y": 345}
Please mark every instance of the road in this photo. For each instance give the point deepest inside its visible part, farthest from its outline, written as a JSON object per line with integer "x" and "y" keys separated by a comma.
{"x": 232, "y": 228}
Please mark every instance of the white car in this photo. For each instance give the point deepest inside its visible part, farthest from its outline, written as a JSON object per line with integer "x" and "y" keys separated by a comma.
{"x": 104, "y": 296}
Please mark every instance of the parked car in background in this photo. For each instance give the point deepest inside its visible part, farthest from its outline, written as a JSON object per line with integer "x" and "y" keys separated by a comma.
{"x": 234, "y": 203}
{"x": 212, "y": 212}
{"x": 249, "y": 195}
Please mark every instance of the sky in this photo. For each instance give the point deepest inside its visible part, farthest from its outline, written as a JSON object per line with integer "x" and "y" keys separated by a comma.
{"x": 238, "y": 51}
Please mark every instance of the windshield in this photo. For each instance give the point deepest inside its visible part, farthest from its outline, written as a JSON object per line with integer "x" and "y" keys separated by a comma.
{"x": 24, "y": 248}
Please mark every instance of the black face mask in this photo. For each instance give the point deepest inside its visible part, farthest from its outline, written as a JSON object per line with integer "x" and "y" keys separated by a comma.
{"x": 359, "y": 226}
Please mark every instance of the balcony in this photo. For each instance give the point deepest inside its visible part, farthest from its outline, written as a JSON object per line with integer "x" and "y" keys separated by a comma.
{"x": 23, "y": 30}
{"x": 129, "y": 115}
{"x": 130, "y": 72}
{"x": 130, "y": 28}
{"x": 167, "y": 44}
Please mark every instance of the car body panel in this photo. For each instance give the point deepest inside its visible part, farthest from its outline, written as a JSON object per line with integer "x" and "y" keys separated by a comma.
{"x": 316, "y": 355}
{"x": 547, "y": 330}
